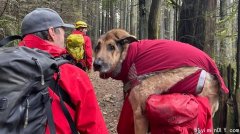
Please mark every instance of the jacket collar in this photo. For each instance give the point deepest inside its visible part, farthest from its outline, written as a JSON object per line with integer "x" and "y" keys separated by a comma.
{"x": 33, "y": 41}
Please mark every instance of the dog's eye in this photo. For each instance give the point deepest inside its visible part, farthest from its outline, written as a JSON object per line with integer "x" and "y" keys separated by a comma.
{"x": 111, "y": 47}
{"x": 97, "y": 48}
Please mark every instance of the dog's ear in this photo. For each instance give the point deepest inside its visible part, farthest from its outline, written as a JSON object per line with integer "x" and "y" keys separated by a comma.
{"x": 129, "y": 39}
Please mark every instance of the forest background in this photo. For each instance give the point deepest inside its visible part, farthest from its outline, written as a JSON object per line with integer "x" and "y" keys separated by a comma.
{"x": 210, "y": 25}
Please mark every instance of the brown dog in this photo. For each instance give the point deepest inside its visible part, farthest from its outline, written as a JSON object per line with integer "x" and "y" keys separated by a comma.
{"x": 154, "y": 69}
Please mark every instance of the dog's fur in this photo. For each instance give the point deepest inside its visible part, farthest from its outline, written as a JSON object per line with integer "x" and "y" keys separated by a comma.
{"x": 109, "y": 55}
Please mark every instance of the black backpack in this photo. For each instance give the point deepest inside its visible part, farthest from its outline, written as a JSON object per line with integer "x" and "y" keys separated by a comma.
{"x": 25, "y": 104}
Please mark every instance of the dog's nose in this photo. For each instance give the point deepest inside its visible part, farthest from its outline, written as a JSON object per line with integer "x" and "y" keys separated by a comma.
{"x": 97, "y": 65}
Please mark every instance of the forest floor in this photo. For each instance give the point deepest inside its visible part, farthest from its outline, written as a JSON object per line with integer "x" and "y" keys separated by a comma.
{"x": 110, "y": 97}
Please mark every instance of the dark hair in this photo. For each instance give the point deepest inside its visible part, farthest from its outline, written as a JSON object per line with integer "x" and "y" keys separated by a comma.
{"x": 44, "y": 34}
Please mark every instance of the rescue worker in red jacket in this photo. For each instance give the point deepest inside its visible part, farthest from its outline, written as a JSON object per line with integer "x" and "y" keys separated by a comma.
{"x": 81, "y": 28}
{"x": 43, "y": 28}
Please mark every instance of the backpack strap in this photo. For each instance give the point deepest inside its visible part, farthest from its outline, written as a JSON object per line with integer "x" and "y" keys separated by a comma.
{"x": 64, "y": 97}
{"x": 50, "y": 121}
{"x": 8, "y": 39}
{"x": 65, "y": 111}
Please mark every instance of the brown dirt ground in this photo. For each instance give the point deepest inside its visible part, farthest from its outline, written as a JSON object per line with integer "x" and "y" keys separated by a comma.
{"x": 110, "y": 97}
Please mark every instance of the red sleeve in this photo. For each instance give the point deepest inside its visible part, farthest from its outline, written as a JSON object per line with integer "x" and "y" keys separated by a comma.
{"x": 88, "y": 52}
{"x": 88, "y": 116}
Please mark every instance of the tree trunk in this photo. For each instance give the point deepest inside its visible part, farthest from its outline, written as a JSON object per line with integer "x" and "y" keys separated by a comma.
{"x": 103, "y": 22}
{"x": 107, "y": 15}
{"x": 111, "y": 16}
{"x": 222, "y": 120}
{"x": 192, "y": 22}
{"x": 210, "y": 28}
{"x": 95, "y": 24}
{"x": 142, "y": 19}
{"x": 237, "y": 89}
{"x": 171, "y": 25}
{"x": 127, "y": 14}
{"x": 161, "y": 21}
{"x": 122, "y": 14}
{"x": 153, "y": 20}
{"x": 133, "y": 17}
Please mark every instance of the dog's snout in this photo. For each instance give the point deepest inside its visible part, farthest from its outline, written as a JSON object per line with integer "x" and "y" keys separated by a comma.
{"x": 97, "y": 65}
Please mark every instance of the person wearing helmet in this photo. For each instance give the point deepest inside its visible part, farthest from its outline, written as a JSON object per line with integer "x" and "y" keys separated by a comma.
{"x": 81, "y": 28}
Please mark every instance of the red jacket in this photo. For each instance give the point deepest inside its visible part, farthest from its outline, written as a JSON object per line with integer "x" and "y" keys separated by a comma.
{"x": 88, "y": 49}
{"x": 87, "y": 116}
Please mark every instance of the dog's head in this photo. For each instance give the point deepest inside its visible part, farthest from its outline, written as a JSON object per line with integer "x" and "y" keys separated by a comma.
{"x": 110, "y": 51}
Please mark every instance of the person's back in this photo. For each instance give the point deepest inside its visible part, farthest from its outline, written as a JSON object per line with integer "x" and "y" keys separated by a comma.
{"x": 81, "y": 28}
{"x": 48, "y": 35}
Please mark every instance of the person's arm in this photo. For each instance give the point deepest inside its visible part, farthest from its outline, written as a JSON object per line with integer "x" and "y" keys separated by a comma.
{"x": 88, "y": 52}
{"x": 88, "y": 115}
{"x": 89, "y": 118}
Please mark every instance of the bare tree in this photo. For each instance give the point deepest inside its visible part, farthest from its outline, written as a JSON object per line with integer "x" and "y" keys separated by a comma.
{"x": 237, "y": 88}
{"x": 153, "y": 19}
{"x": 210, "y": 27}
{"x": 142, "y": 19}
{"x": 134, "y": 17}
{"x": 192, "y": 22}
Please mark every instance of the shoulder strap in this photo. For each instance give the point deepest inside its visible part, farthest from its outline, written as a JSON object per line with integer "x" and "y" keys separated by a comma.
{"x": 68, "y": 116}
{"x": 8, "y": 39}
{"x": 65, "y": 96}
{"x": 58, "y": 89}
{"x": 50, "y": 121}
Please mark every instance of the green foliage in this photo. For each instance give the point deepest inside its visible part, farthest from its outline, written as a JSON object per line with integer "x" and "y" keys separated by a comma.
{"x": 8, "y": 26}
{"x": 223, "y": 30}
{"x": 228, "y": 18}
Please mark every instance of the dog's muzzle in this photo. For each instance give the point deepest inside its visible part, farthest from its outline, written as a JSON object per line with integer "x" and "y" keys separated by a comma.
{"x": 102, "y": 67}
{"x": 98, "y": 64}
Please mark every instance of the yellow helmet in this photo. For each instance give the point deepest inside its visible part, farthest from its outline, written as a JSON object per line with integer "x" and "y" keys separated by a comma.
{"x": 81, "y": 24}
